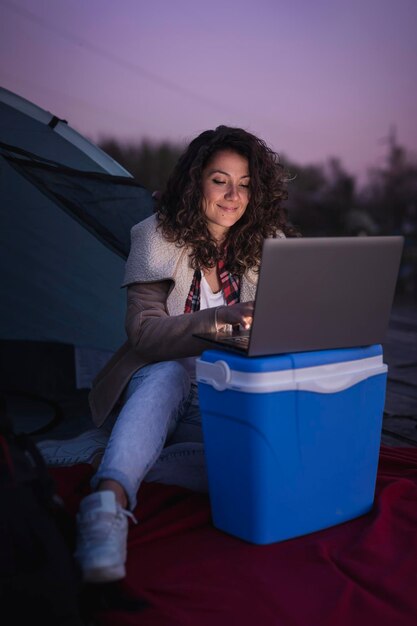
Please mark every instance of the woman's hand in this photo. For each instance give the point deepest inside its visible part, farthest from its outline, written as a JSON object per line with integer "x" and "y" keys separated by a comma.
{"x": 236, "y": 314}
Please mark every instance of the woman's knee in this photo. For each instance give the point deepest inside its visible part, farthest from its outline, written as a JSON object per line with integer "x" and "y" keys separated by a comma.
{"x": 171, "y": 371}
{"x": 165, "y": 376}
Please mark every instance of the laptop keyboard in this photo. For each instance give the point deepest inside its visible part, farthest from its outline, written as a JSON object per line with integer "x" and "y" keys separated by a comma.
{"x": 240, "y": 341}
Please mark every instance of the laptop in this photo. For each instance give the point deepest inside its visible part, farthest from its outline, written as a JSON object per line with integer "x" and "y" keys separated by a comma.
{"x": 319, "y": 293}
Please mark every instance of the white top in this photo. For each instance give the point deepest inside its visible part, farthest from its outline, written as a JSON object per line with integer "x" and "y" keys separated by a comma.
{"x": 208, "y": 299}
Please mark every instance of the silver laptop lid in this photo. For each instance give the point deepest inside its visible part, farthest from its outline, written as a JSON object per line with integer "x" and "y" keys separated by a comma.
{"x": 324, "y": 292}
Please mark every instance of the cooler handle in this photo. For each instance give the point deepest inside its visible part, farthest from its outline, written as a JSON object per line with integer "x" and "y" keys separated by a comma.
{"x": 217, "y": 374}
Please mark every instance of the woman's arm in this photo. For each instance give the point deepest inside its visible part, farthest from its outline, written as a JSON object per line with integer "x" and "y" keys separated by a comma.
{"x": 157, "y": 336}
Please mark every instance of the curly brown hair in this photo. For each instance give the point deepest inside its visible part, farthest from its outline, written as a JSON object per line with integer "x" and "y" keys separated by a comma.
{"x": 182, "y": 220}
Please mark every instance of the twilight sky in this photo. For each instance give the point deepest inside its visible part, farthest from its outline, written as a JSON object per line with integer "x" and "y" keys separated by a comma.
{"x": 314, "y": 78}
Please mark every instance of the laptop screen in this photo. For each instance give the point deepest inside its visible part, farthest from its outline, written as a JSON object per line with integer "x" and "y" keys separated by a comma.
{"x": 323, "y": 293}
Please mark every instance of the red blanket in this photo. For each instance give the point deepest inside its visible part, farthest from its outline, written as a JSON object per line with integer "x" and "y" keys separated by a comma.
{"x": 183, "y": 572}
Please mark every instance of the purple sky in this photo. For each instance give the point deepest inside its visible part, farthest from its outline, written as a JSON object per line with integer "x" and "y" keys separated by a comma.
{"x": 314, "y": 78}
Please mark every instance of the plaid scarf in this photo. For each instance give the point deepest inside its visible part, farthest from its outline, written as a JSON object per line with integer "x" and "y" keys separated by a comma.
{"x": 230, "y": 286}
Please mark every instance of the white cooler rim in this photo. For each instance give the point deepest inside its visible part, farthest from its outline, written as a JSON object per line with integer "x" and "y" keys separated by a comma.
{"x": 327, "y": 378}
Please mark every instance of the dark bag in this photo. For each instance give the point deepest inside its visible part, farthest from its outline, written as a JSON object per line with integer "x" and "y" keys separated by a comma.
{"x": 39, "y": 580}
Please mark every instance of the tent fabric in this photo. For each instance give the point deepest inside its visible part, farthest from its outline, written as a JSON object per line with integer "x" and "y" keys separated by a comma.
{"x": 108, "y": 206}
{"x": 24, "y": 124}
{"x": 181, "y": 571}
{"x": 66, "y": 210}
{"x": 59, "y": 282}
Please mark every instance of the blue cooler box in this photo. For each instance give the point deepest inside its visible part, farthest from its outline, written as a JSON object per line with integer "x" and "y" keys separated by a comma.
{"x": 292, "y": 441}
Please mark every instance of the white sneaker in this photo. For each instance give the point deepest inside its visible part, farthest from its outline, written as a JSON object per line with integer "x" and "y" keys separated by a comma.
{"x": 102, "y": 527}
{"x": 81, "y": 449}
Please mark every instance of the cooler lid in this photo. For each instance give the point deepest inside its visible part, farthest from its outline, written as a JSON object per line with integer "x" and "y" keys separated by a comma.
{"x": 327, "y": 371}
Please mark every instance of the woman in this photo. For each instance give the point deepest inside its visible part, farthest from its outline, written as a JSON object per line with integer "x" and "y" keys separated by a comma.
{"x": 192, "y": 268}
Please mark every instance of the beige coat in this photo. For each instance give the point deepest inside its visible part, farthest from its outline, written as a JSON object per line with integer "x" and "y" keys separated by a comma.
{"x": 158, "y": 276}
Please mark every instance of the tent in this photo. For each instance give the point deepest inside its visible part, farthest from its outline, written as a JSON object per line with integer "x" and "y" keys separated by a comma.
{"x": 66, "y": 210}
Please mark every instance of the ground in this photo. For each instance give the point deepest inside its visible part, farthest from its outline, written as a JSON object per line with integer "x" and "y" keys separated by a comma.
{"x": 400, "y": 354}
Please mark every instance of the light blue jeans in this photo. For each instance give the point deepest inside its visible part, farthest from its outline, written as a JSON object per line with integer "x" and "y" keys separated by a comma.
{"x": 157, "y": 434}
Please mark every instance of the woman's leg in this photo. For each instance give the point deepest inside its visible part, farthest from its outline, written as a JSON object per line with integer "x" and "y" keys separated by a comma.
{"x": 182, "y": 461}
{"x": 153, "y": 402}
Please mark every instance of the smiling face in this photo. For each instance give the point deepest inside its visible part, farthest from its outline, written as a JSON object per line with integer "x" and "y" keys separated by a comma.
{"x": 225, "y": 191}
